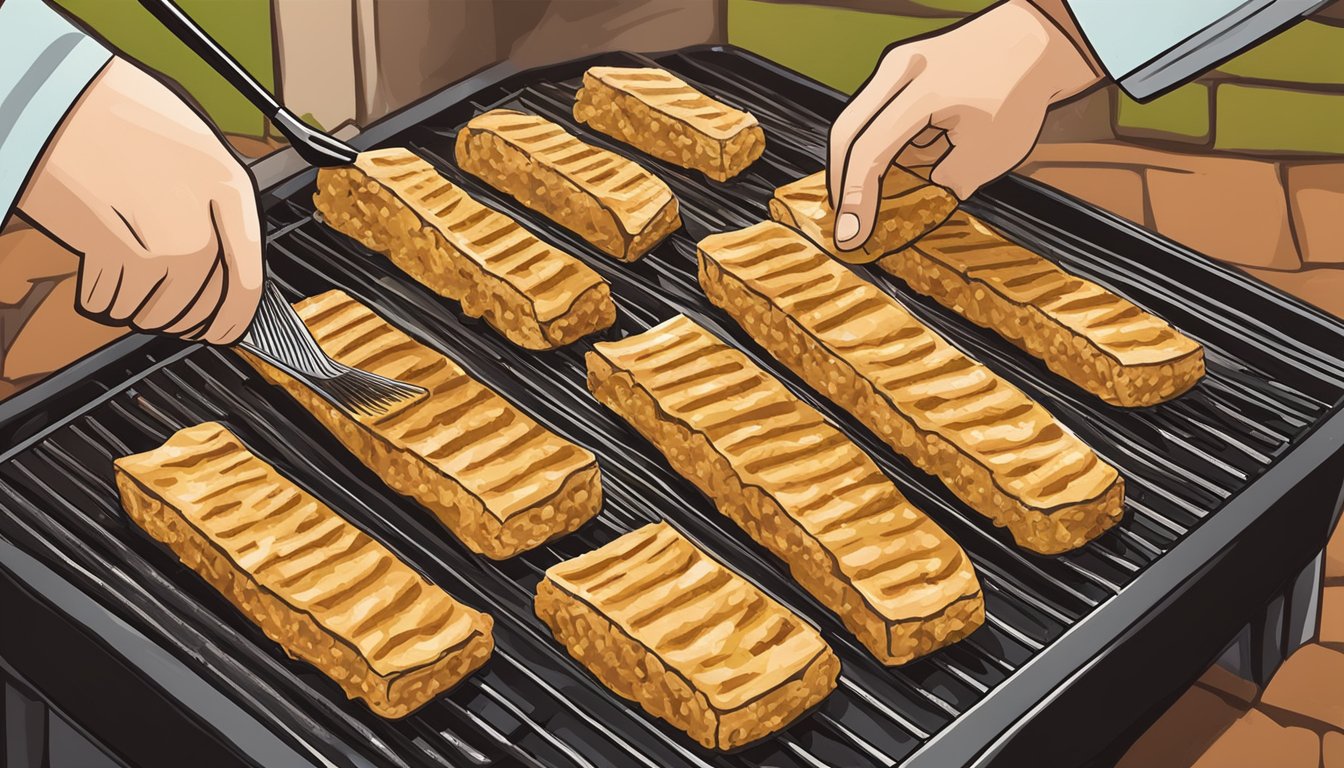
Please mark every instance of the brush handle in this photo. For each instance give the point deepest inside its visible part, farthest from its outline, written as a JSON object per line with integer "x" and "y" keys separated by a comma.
{"x": 314, "y": 146}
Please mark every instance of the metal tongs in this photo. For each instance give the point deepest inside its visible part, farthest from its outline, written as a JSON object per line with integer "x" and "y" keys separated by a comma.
{"x": 277, "y": 334}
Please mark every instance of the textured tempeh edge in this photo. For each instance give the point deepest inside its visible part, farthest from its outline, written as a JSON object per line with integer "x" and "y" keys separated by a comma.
{"x": 625, "y": 117}
{"x": 911, "y": 206}
{"x": 753, "y": 509}
{"x": 371, "y": 212}
{"x": 504, "y": 166}
{"x": 392, "y": 696}
{"x": 1072, "y": 355}
{"x": 1043, "y": 531}
{"x": 637, "y": 673}
{"x": 577, "y": 500}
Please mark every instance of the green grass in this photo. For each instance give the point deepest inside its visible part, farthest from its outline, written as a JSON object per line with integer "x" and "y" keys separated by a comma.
{"x": 837, "y": 46}
{"x": 1262, "y": 119}
{"x": 242, "y": 27}
{"x": 1310, "y": 52}
{"x": 1180, "y": 114}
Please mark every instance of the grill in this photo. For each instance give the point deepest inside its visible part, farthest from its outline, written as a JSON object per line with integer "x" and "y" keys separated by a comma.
{"x": 1230, "y": 492}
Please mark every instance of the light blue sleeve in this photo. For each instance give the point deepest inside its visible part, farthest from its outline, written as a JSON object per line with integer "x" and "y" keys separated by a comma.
{"x": 45, "y": 64}
{"x": 1148, "y": 46}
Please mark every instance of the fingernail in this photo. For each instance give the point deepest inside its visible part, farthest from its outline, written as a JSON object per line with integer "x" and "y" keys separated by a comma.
{"x": 846, "y": 227}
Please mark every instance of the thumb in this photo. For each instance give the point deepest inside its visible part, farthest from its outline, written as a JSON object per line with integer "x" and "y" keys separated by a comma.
{"x": 857, "y": 213}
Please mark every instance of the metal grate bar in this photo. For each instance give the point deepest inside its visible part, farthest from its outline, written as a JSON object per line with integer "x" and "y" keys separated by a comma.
{"x": 1180, "y": 460}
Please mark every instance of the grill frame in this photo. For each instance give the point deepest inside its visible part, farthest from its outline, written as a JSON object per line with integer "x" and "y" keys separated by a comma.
{"x": 1035, "y": 712}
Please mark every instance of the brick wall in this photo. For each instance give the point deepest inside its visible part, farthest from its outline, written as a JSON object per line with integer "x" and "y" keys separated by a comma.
{"x": 1245, "y": 164}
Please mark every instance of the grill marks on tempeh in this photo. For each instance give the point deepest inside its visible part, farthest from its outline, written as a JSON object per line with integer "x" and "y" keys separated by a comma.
{"x": 610, "y": 201}
{"x": 796, "y": 484}
{"x": 532, "y": 293}
{"x": 1001, "y": 452}
{"x": 501, "y": 482}
{"x": 327, "y": 592}
{"x": 1083, "y": 332}
{"x": 658, "y": 113}
{"x": 664, "y": 624}
{"x": 910, "y": 206}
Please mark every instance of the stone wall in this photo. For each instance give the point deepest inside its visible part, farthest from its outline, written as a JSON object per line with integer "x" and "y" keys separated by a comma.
{"x": 40, "y": 330}
{"x": 1245, "y": 164}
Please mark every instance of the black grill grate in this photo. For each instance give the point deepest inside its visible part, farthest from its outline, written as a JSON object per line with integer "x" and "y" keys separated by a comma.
{"x": 1267, "y": 384}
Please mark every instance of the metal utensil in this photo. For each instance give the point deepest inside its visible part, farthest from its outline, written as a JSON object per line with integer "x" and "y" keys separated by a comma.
{"x": 278, "y": 336}
{"x": 314, "y": 146}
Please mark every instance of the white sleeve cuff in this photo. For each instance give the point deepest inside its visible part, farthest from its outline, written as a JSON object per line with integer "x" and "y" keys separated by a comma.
{"x": 45, "y": 64}
{"x": 1150, "y": 46}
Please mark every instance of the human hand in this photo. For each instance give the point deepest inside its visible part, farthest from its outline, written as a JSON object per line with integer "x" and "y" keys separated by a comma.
{"x": 164, "y": 218}
{"x": 987, "y": 83}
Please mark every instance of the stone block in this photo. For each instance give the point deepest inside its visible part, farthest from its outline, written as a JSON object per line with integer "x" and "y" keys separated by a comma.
{"x": 1183, "y": 733}
{"x": 54, "y": 336}
{"x": 1332, "y": 618}
{"x": 1180, "y": 115}
{"x": 1332, "y": 750}
{"x": 537, "y": 32}
{"x": 1307, "y": 689}
{"x": 1316, "y": 194}
{"x": 410, "y": 48}
{"x": 314, "y": 51}
{"x": 1308, "y": 52}
{"x": 1256, "y": 741}
{"x": 1112, "y": 154}
{"x": 1238, "y": 691}
{"x": 1322, "y": 286}
{"x": 1085, "y": 118}
{"x": 1330, "y": 13}
{"x": 1232, "y": 209}
{"x": 8, "y": 389}
{"x": 1334, "y": 550}
{"x": 1258, "y": 118}
{"x": 1118, "y": 190}
{"x": 26, "y": 257}
{"x": 925, "y": 9}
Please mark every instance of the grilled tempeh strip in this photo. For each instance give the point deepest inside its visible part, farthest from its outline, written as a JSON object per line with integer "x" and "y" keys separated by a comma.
{"x": 1083, "y": 332}
{"x": 610, "y": 201}
{"x": 657, "y": 112}
{"x": 393, "y": 202}
{"x": 910, "y": 207}
{"x": 317, "y": 585}
{"x": 660, "y": 622}
{"x": 997, "y": 449}
{"x": 498, "y": 480}
{"x": 796, "y": 484}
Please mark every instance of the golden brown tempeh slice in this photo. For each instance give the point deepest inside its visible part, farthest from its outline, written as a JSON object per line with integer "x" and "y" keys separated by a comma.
{"x": 317, "y": 585}
{"x": 660, "y": 622}
{"x": 501, "y": 482}
{"x": 911, "y": 206}
{"x": 796, "y": 484}
{"x": 1082, "y": 331}
{"x": 657, "y": 112}
{"x": 610, "y": 201}
{"x": 393, "y": 202}
{"x": 997, "y": 449}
